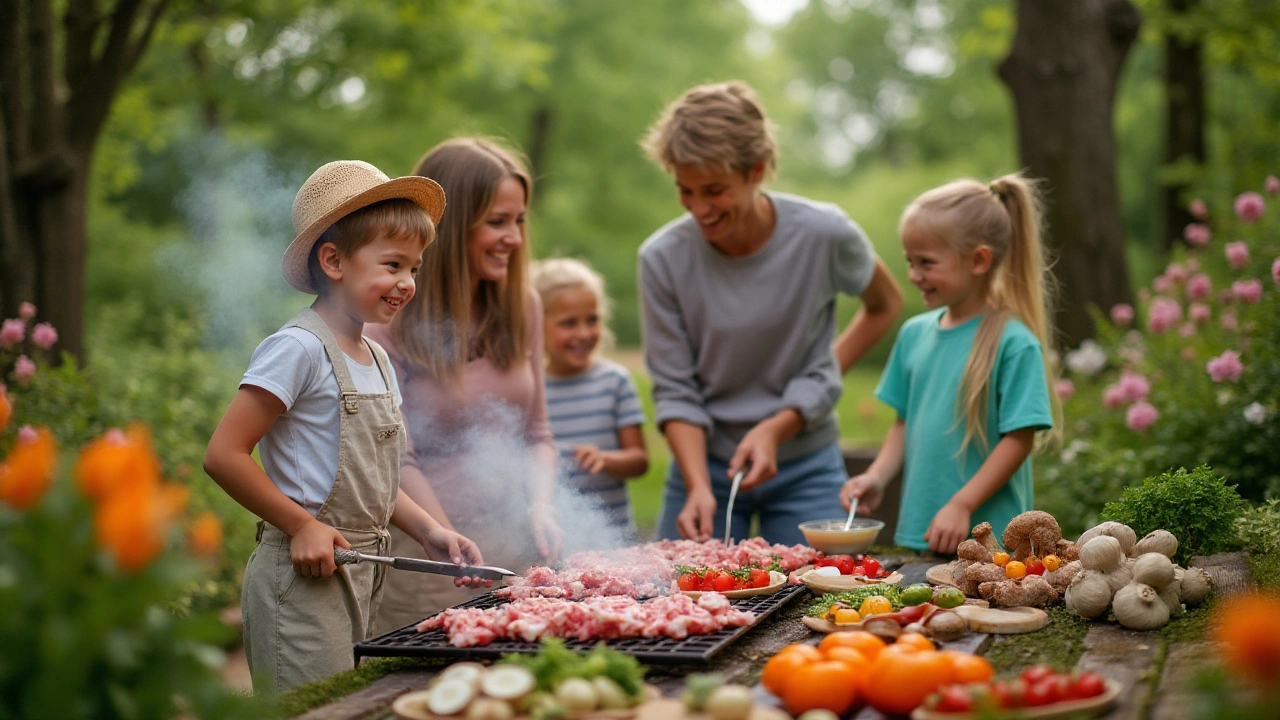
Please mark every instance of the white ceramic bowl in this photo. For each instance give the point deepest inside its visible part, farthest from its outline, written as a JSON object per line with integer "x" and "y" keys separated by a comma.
{"x": 830, "y": 537}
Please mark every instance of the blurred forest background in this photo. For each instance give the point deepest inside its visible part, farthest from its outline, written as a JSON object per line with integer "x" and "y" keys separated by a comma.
{"x": 231, "y": 104}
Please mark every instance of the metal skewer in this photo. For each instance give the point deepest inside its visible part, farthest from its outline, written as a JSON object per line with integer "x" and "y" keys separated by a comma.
{"x": 728, "y": 512}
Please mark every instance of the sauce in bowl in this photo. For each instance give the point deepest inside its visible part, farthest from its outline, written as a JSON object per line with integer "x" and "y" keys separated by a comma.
{"x": 830, "y": 537}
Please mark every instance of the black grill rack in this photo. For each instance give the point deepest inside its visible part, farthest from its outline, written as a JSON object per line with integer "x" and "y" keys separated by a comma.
{"x": 408, "y": 642}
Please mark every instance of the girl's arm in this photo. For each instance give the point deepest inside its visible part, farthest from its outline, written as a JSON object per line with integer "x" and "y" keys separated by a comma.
{"x": 953, "y": 522}
{"x": 229, "y": 461}
{"x": 881, "y": 303}
{"x": 869, "y": 487}
{"x": 631, "y": 461}
{"x": 439, "y": 542}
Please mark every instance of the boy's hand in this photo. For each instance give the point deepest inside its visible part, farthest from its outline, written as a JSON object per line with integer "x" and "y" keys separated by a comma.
{"x": 547, "y": 534}
{"x": 448, "y": 546}
{"x": 866, "y": 488}
{"x": 697, "y": 520}
{"x": 311, "y": 549}
{"x": 589, "y": 457}
{"x": 949, "y": 528}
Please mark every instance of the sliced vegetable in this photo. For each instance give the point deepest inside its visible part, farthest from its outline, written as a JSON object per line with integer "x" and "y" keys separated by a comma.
{"x": 450, "y": 696}
{"x": 577, "y": 695}
{"x": 487, "y": 708}
{"x": 729, "y": 702}
{"x": 611, "y": 694}
{"x": 508, "y": 682}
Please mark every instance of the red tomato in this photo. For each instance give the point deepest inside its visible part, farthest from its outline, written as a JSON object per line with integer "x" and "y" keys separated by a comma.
{"x": 955, "y": 698}
{"x": 687, "y": 582}
{"x": 1088, "y": 685}
{"x": 1035, "y": 567}
{"x": 723, "y": 582}
{"x": 845, "y": 564}
{"x": 871, "y": 567}
{"x": 1036, "y": 673}
{"x": 708, "y": 577}
{"x": 1043, "y": 692}
{"x": 759, "y": 578}
{"x": 825, "y": 562}
{"x": 1009, "y": 695}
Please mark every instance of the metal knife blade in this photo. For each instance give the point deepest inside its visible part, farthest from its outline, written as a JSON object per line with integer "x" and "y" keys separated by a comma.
{"x": 444, "y": 568}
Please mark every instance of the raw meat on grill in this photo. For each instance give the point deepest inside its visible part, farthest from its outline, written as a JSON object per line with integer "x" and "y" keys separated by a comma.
{"x": 595, "y": 618}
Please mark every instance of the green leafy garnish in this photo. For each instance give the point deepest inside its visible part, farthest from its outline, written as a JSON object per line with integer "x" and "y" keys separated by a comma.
{"x": 555, "y": 663}
{"x": 855, "y": 597}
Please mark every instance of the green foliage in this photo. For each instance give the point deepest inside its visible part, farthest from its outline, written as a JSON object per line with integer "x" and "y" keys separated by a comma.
{"x": 84, "y": 639}
{"x": 554, "y": 663}
{"x": 1198, "y": 507}
{"x": 1258, "y": 528}
{"x": 855, "y": 597}
{"x": 1059, "y": 645}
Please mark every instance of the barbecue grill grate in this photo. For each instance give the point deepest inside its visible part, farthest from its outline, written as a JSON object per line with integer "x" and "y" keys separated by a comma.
{"x": 408, "y": 642}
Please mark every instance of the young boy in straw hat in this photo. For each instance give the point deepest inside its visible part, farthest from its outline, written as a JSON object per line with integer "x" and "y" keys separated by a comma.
{"x": 321, "y": 402}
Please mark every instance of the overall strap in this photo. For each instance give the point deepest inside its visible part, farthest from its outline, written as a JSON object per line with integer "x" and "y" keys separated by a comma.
{"x": 384, "y": 363}
{"x": 310, "y": 321}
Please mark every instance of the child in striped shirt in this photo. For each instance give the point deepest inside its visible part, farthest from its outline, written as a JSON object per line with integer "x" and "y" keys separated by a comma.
{"x": 592, "y": 402}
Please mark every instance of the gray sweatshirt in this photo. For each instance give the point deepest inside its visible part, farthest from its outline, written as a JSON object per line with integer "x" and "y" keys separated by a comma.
{"x": 729, "y": 341}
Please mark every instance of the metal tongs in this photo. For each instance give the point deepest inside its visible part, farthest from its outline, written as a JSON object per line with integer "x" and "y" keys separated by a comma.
{"x": 728, "y": 511}
{"x": 342, "y": 556}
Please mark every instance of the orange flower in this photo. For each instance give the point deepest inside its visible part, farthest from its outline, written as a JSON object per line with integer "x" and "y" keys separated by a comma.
{"x": 205, "y": 535}
{"x": 6, "y": 408}
{"x": 117, "y": 459}
{"x": 133, "y": 522}
{"x": 28, "y": 470}
{"x": 1248, "y": 634}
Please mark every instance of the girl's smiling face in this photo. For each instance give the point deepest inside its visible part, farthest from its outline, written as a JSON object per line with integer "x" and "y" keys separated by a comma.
{"x": 499, "y": 234}
{"x": 572, "y": 330}
{"x": 943, "y": 276}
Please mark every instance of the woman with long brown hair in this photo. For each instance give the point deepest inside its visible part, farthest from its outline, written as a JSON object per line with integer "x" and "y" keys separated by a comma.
{"x": 467, "y": 350}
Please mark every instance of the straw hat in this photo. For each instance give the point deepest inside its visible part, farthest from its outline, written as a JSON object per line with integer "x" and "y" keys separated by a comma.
{"x": 338, "y": 189}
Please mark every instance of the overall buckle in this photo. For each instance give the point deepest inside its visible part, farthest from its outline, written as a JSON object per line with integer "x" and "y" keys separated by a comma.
{"x": 350, "y": 403}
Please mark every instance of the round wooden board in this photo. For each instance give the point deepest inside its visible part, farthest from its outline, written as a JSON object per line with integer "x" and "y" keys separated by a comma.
{"x": 776, "y": 582}
{"x": 410, "y": 707}
{"x": 1090, "y": 707}
{"x": 826, "y": 626}
{"x": 941, "y": 574}
{"x": 1003, "y": 621}
{"x": 822, "y": 584}
{"x": 667, "y": 709}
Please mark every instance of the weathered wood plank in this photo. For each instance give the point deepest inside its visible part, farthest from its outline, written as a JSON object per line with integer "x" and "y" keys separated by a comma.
{"x": 1127, "y": 657}
{"x": 1175, "y": 700}
{"x": 1229, "y": 571}
{"x": 373, "y": 701}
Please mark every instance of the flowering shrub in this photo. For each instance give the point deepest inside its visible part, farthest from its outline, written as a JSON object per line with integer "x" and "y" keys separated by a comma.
{"x": 1190, "y": 377}
{"x": 88, "y": 569}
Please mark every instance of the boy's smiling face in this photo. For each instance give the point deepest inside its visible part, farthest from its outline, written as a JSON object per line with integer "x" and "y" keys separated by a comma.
{"x": 378, "y": 279}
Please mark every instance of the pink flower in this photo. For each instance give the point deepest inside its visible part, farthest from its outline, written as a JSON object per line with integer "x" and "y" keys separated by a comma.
{"x": 1226, "y": 366}
{"x": 26, "y": 310}
{"x": 1273, "y": 185}
{"x": 1275, "y": 271}
{"x": 27, "y": 435}
{"x": 1113, "y": 396}
{"x": 1122, "y": 313}
{"x": 44, "y": 336}
{"x": 1176, "y": 272}
{"x": 1187, "y": 329}
{"x": 1133, "y": 386}
{"x": 1162, "y": 284}
{"x": 1197, "y": 234}
{"x": 23, "y": 369}
{"x": 1228, "y": 321}
{"x": 1250, "y": 206}
{"x": 1199, "y": 312}
{"x": 1198, "y": 209}
{"x": 1140, "y": 416}
{"x": 1199, "y": 286}
{"x": 1247, "y": 291}
{"x": 1237, "y": 254}
{"x": 1066, "y": 389}
{"x": 1162, "y": 314}
{"x": 12, "y": 331}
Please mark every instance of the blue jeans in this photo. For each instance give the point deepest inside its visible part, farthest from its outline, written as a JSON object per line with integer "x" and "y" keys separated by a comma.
{"x": 806, "y": 488}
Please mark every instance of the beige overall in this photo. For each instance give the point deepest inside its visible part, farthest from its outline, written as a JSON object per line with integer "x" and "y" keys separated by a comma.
{"x": 299, "y": 629}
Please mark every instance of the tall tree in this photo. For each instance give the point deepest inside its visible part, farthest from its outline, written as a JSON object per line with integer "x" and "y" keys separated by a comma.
{"x": 52, "y": 111}
{"x": 1063, "y": 69}
{"x": 1184, "y": 82}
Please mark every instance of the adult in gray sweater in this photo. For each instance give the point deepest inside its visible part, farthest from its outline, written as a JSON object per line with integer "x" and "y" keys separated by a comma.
{"x": 739, "y": 302}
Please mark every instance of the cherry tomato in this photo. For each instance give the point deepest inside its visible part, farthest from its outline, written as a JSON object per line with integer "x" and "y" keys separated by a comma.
{"x": 723, "y": 582}
{"x": 1035, "y": 567}
{"x": 1036, "y": 673}
{"x": 955, "y": 698}
{"x": 871, "y": 567}
{"x": 759, "y": 578}
{"x": 825, "y": 562}
{"x": 845, "y": 564}
{"x": 1001, "y": 558}
{"x": 1009, "y": 695}
{"x": 1088, "y": 685}
{"x": 687, "y": 582}
{"x": 1052, "y": 562}
{"x": 707, "y": 579}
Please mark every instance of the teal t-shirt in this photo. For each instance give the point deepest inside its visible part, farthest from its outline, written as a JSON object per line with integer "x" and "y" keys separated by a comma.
{"x": 921, "y": 382}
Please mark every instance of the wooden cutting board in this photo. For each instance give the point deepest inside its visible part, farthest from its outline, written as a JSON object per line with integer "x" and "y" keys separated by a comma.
{"x": 941, "y": 574}
{"x": 675, "y": 710}
{"x": 1003, "y": 621}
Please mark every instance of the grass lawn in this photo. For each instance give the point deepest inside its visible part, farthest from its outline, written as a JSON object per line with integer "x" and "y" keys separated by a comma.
{"x": 863, "y": 422}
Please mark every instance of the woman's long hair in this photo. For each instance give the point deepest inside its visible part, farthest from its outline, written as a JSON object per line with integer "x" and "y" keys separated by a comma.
{"x": 445, "y": 325}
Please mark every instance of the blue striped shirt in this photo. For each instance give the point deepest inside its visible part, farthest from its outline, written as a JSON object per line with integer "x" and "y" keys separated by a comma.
{"x": 589, "y": 409}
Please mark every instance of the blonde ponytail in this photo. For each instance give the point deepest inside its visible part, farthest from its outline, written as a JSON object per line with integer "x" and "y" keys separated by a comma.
{"x": 1005, "y": 216}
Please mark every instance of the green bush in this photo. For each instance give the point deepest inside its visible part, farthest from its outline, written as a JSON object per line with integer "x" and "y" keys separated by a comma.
{"x": 1198, "y": 507}
{"x": 1258, "y": 528}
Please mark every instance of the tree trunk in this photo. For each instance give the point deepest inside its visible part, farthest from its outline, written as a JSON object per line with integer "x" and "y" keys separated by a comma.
{"x": 49, "y": 127}
{"x": 1063, "y": 69}
{"x": 1184, "y": 122}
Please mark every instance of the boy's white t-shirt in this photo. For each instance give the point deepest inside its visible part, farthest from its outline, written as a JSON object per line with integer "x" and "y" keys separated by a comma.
{"x": 300, "y": 450}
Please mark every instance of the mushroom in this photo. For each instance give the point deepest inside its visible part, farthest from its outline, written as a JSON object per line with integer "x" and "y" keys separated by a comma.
{"x": 1196, "y": 585}
{"x": 1138, "y": 607}
{"x": 1031, "y": 532}
{"x": 1089, "y": 594}
{"x": 1061, "y": 578}
{"x": 973, "y": 550}
{"x": 1158, "y": 541}
{"x": 1030, "y": 591}
{"x": 1121, "y": 532}
{"x": 1153, "y": 569}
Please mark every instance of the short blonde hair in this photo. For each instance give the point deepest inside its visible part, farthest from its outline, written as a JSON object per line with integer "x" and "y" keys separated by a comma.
{"x": 719, "y": 126}
{"x": 552, "y": 275}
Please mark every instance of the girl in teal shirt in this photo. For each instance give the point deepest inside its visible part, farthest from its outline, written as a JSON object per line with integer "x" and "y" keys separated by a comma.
{"x": 965, "y": 428}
